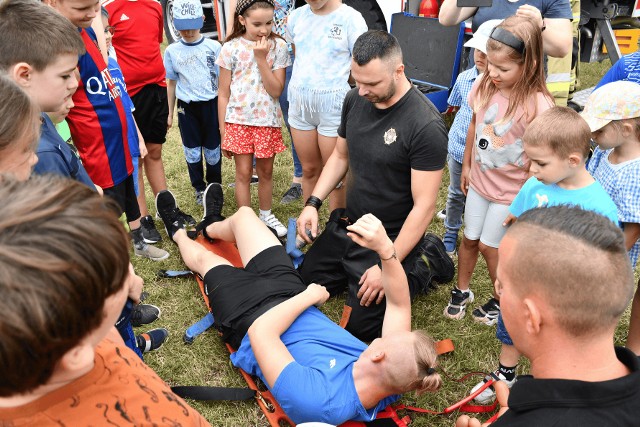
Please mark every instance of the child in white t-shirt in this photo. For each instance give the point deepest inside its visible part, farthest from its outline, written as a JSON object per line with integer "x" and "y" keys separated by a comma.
{"x": 323, "y": 33}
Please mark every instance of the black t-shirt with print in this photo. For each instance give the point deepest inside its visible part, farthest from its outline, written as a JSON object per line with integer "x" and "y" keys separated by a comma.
{"x": 384, "y": 145}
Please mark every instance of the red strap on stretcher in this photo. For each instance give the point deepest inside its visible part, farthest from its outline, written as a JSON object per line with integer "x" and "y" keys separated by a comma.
{"x": 272, "y": 410}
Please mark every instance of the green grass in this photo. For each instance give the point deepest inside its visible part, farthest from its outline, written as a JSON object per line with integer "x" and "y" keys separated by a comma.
{"x": 206, "y": 361}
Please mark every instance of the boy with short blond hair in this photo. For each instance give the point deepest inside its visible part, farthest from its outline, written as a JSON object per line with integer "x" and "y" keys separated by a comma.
{"x": 59, "y": 365}
{"x": 557, "y": 142}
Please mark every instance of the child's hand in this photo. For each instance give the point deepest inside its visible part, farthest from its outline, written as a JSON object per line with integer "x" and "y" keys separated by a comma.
{"x": 464, "y": 180}
{"x": 510, "y": 219}
{"x": 369, "y": 232}
{"x": 319, "y": 293}
{"x": 169, "y": 121}
{"x": 143, "y": 149}
{"x": 261, "y": 48}
{"x": 228, "y": 154}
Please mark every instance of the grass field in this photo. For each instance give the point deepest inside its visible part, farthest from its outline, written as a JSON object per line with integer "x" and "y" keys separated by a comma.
{"x": 206, "y": 361}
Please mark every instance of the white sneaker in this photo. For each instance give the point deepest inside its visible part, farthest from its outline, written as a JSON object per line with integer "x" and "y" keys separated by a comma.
{"x": 442, "y": 215}
{"x": 272, "y": 222}
{"x": 489, "y": 394}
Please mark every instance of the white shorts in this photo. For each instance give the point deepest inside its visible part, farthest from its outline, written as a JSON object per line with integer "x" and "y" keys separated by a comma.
{"x": 325, "y": 123}
{"x": 483, "y": 219}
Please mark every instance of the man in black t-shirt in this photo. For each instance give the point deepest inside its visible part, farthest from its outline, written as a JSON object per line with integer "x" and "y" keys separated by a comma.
{"x": 564, "y": 280}
{"x": 393, "y": 143}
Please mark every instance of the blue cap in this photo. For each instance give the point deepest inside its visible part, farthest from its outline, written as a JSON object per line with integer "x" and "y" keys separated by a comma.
{"x": 187, "y": 14}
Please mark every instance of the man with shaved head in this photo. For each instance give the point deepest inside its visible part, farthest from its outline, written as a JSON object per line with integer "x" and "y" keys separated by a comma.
{"x": 564, "y": 280}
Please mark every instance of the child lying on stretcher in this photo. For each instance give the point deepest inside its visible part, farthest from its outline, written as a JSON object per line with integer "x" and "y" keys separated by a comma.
{"x": 316, "y": 370}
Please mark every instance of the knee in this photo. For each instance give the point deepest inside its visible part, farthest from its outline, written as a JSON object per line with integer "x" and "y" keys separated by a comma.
{"x": 471, "y": 244}
{"x": 244, "y": 212}
{"x": 484, "y": 248}
{"x": 243, "y": 176}
{"x": 311, "y": 171}
{"x": 154, "y": 152}
{"x": 265, "y": 174}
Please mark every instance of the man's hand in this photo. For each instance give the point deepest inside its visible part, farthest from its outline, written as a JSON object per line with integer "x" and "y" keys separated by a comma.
{"x": 502, "y": 394}
{"x": 530, "y": 12}
{"x": 371, "y": 288}
{"x": 308, "y": 220}
{"x": 319, "y": 293}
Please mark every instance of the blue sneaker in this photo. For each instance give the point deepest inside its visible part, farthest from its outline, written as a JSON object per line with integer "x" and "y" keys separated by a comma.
{"x": 450, "y": 240}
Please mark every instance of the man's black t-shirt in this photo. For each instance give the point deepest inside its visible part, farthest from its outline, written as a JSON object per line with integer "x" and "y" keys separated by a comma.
{"x": 384, "y": 145}
{"x": 564, "y": 403}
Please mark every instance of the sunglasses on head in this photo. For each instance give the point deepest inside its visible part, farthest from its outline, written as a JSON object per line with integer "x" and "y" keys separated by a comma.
{"x": 109, "y": 29}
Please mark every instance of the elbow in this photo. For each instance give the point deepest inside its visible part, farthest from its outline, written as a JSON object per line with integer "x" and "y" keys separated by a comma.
{"x": 445, "y": 20}
{"x": 560, "y": 48}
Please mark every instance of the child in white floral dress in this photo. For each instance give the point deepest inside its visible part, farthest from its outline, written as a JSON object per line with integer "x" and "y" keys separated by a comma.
{"x": 252, "y": 73}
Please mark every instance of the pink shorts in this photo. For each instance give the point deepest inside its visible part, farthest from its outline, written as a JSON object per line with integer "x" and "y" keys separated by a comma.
{"x": 262, "y": 141}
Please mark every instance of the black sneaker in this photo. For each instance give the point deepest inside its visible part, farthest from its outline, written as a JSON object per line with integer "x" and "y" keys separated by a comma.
{"x": 152, "y": 340}
{"x": 487, "y": 313}
{"x": 213, "y": 201}
{"x": 292, "y": 194}
{"x": 149, "y": 231}
{"x": 186, "y": 218}
{"x": 433, "y": 265}
{"x": 143, "y": 314}
{"x": 169, "y": 213}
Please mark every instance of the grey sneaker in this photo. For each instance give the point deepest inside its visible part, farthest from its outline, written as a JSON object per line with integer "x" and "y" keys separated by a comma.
{"x": 149, "y": 231}
{"x": 292, "y": 194}
{"x": 148, "y": 251}
{"x": 457, "y": 306}
{"x": 199, "y": 195}
{"x": 487, "y": 313}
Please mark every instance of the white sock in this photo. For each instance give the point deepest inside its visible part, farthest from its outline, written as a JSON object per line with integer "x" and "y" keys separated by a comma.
{"x": 264, "y": 214}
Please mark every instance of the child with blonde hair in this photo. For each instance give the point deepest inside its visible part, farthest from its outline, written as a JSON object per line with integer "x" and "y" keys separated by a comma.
{"x": 252, "y": 64}
{"x": 613, "y": 114}
{"x": 510, "y": 94}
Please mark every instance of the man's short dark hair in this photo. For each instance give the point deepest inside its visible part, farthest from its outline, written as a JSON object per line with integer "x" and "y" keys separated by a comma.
{"x": 34, "y": 33}
{"x": 54, "y": 279}
{"x": 376, "y": 44}
{"x": 576, "y": 259}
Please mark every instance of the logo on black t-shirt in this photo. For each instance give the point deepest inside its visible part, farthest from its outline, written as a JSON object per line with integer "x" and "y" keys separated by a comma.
{"x": 390, "y": 136}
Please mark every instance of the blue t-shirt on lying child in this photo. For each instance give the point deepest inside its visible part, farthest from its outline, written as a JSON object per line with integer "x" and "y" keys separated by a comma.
{"x": 318, "y": 385}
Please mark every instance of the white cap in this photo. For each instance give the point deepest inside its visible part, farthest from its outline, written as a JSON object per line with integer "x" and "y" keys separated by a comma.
{"x": 187, "y": 14}
{"x": 481, "y": 35}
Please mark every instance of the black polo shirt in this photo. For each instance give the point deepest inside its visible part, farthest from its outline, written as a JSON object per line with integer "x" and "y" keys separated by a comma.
{"x": 551, "y": 402}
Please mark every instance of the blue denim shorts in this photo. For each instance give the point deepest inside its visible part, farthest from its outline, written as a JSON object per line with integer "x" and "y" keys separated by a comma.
{"x": 501, "y": 332}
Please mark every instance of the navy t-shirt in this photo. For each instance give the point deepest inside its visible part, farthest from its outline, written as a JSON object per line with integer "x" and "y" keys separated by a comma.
{"x": 56, "y": 157}
{"x": 501, "y": 9}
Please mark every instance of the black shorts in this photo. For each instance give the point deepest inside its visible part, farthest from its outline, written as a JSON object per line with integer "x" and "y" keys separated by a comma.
{"x": 125, "y": 195}
{"x": 238, "y": 296}
{"x": 151, "y": 113}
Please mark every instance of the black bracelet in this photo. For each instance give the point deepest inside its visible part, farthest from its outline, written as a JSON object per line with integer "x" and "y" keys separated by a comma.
{"x": 314, "y": 201}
